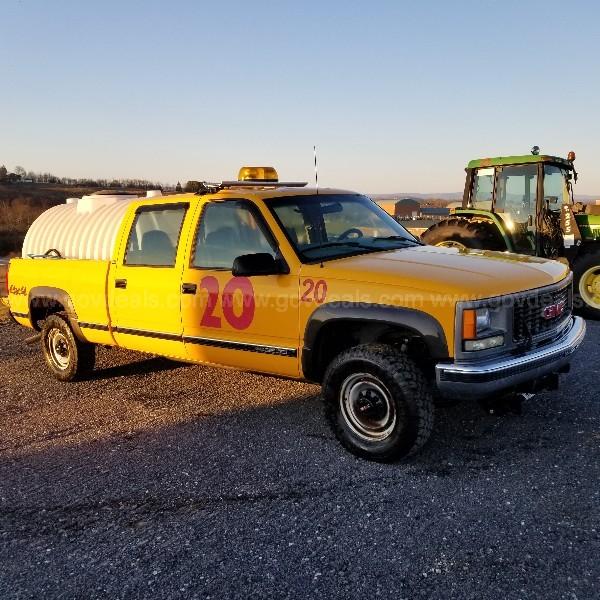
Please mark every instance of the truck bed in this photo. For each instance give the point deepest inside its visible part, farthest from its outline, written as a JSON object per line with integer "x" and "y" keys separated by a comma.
{"x": 82, "y": 282}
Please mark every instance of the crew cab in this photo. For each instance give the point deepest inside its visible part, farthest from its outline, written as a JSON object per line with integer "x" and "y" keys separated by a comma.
{"x": 312, "y": 284}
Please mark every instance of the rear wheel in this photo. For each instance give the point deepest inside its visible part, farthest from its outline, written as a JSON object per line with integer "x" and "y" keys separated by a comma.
{"x": 67, "y": 357}
{"x": 462, "y": 234}
{"x": 378, "y": 403}
{"x": 586, "y": 271}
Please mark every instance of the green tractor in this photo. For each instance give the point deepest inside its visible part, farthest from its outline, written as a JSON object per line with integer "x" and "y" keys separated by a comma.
{"x": 524, "y": 204}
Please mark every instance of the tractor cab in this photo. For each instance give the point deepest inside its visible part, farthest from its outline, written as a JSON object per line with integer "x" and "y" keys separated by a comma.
{"x": 525, "y": 195}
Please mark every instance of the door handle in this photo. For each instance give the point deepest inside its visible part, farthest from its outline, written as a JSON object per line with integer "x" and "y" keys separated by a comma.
{"x": 188, "y": 288}
{"x": 121, "y": 283}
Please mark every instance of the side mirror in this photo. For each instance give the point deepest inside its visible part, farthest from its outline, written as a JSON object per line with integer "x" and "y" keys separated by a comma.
{"x": 260, "y": 263}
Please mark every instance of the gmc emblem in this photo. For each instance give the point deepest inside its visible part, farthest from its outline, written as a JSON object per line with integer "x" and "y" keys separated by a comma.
{"x": 554, "y": 310}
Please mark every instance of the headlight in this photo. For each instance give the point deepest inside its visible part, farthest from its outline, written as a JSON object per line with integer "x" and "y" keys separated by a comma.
{"x": 476, "y": 321}
{"x": 478, "y": 331}
{"x": 483, "y": 320}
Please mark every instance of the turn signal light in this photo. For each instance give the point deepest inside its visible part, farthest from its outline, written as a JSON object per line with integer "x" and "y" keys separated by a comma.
{"x": 469, "y": 324}
{"x": 262, "y": 174}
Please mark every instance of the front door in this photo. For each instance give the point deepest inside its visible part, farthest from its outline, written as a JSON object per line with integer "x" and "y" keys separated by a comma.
{"x": 516, "y": 203}
{"x": 245, "y": 322}
{"x": 144, "y": 290}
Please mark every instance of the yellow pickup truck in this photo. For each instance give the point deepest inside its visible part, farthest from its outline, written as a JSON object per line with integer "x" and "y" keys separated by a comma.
{"x": 313, "y": 284}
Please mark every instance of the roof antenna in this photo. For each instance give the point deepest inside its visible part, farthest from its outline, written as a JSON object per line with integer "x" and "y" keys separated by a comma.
{"x": 316, "y": 170}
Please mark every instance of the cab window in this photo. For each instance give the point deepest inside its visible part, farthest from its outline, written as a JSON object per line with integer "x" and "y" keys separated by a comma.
{"x": 556, "y": 190}
{"x": 483, "y": 188}
{"x": 154, "y": 236}
{"x": 227, "y": 230}
{"x": 516, "y": 192}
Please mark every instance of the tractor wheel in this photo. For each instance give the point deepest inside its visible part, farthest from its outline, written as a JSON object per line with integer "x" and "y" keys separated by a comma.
{"x": 586, "y": 284}
{"x": 462, "y": 234}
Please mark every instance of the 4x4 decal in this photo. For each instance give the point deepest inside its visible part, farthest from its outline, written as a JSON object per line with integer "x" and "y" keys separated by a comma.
{"x": 13, "y": 290}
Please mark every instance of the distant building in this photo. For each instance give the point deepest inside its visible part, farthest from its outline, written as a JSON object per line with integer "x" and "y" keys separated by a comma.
{"x": 407, "y": 208}
{"x": 434, "y": 213}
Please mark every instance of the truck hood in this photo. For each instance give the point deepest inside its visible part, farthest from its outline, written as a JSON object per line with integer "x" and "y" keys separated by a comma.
{"x": 470, "y": 273}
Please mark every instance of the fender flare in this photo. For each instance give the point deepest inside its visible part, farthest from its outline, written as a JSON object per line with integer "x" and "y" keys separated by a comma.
{"x": 417, "y": 321}
{"x": 53, "y": 294}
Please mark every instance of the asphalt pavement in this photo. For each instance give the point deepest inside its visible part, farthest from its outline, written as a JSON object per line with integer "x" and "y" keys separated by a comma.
{"x": 156, "y": 479}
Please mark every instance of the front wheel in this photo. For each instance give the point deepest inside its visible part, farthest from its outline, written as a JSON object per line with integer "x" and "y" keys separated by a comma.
{"x": 378, "y": 403}
{"x": 586, "y": 271}
{"x": 66, "y": 356}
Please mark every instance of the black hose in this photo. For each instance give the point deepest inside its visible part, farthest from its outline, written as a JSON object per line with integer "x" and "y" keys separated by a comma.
{"x": 52, "y": 251}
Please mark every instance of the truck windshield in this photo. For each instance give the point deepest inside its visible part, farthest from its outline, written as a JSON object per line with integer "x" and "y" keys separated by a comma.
{"x": 328, "y": 226}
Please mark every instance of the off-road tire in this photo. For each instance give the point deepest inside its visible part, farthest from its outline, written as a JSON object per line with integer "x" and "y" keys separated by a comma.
{"x": 409, "y": 393}
{"x": 583, "y": 263}
{"x": 67, "y": 357}
{"x": 471, "y": 234}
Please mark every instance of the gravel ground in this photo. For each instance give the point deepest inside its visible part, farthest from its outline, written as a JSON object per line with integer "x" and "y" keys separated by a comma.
{"x": 161, "y": 480}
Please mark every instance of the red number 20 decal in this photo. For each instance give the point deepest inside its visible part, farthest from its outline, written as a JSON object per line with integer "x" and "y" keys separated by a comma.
{"x": 316, "y": 291}
{"x": 242, "y": 284}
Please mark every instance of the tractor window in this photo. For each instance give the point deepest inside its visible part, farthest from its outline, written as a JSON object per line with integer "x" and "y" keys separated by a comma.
{"x": 555, "y": 187}
{"x": 516, "y": 192}
{"x": 483, "y": 187}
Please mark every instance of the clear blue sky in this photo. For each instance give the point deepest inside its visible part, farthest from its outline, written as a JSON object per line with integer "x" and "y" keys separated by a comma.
{"x": 396, "y": 95}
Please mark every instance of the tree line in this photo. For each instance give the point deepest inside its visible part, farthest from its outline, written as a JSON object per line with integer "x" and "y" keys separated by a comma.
{"x": 20, "y": 175}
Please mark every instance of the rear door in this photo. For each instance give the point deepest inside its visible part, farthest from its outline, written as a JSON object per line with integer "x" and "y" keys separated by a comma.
{"x": 144, "y": 285}
{"x": 245, "y": 322}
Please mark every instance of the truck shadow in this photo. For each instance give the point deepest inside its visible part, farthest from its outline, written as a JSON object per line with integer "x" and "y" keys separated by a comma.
{"x": 148, "y": 365}
{"x": 135, "y": 406}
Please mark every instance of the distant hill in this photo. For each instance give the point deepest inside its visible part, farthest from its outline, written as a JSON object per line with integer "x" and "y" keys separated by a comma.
{"x": 450, "y": 196}
{"x": 454, "y": 196}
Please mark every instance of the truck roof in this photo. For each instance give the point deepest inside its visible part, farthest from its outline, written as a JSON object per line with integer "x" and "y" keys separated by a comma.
{"x": 266, "y": 193}
{"x": 260, "y": 192}
{"x": 518, "y": 160}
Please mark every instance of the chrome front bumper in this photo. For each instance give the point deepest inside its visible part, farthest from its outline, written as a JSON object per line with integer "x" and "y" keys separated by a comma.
{"x": 484, "y": 379}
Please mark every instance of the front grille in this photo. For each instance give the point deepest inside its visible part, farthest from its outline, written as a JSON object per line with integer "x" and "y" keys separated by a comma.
{"x": 533, "y": 319}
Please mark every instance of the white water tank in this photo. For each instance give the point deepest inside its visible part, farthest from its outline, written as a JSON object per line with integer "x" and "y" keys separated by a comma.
{"x": 84, "y": 228}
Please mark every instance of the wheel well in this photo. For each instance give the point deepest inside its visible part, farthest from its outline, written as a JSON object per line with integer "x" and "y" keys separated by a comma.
{"x": 41, "y": 307}
{"x": 342, "y": 334}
